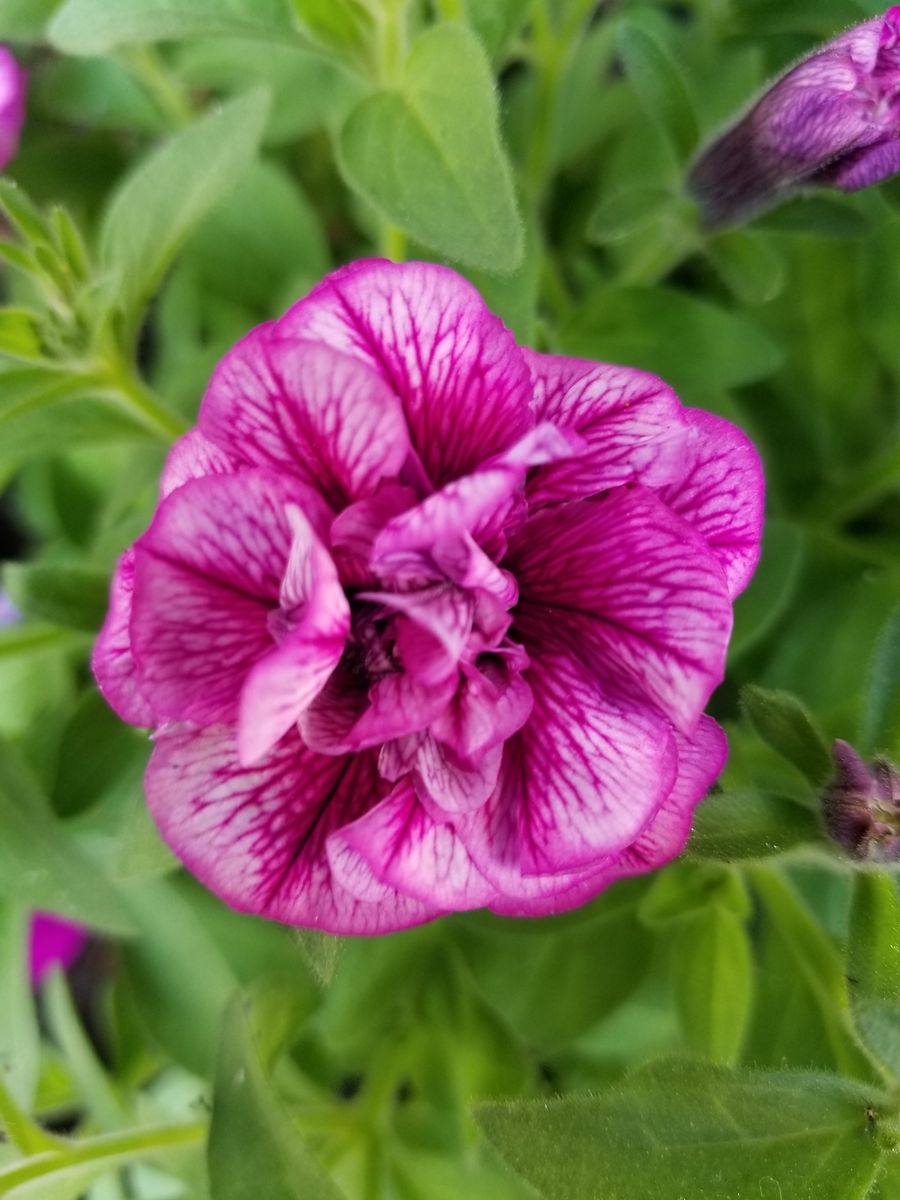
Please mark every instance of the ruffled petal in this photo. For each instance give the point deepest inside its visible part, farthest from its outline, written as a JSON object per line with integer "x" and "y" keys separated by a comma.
{"x": 314, "y": 620}
{"x": 462, "y": 379}
{"x": 256, "y": 836}
{"x": 112, "y": 660}
{"x": 700, "y": 760}
{"x": 722, "y": 495}
{"x": 194, "y": 456}
{"x": 407, "y": 849}
{"x": 634, "y": 590}
{"x": 305, "y": 408}
{"x": 207, "y": 575}
{"x": 631, "y": 423}
{"x": 579, "y": 782}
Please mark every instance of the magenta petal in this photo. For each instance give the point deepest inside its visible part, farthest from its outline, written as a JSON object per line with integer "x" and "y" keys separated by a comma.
{"x": 491, "y": 704}
{"x": 634, "y": 589}
{"x": 344, "y": 718}
{"x": 462, "y": 380}
{"x": 631, "y": 423}
{"x": 579, "y": 782}
{"x": 314, "y": 621}
{"x": 408, "y": 850}
{"x": 54, "y": 942}
{"x": 305, "y": 408}
{"x": 257, "y": 836}
{"x": 112, "y": 661}
{"x": 12, "y": 105}
{"x": 207, "y": 575}
{"x": 723, "y": 495}
{"x": 446, "y": 786}
{"x": 866, "y": 167}
{"x": 194, "y": 456}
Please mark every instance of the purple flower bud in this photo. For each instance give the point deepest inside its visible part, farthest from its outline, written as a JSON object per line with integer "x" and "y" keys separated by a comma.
{"x": 861, "y": 806}
{"x": 832, "y": 120}
{"x": 12, "y": 105}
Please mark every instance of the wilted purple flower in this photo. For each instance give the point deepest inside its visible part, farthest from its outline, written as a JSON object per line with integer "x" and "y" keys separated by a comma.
{"x": 861, "y": 806}
{"x": 426, "y": 621}
{"x": 54, "y": 942}
{"x": 12, "y": 105}
{"x": 833, "y": 120}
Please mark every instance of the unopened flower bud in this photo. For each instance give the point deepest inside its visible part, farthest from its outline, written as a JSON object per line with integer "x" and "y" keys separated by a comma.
{"x": 861, "y": 806}
{"x": 832, "y": 120}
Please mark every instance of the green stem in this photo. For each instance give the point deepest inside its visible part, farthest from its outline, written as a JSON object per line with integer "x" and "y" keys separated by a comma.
{"x": 167, "y": 94}
{"x": 110, "y": 1148}
{"x": 22, "y": 1131}
{"x": 144, "y": 403}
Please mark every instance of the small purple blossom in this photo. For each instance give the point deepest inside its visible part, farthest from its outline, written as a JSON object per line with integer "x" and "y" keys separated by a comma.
{"x": 54, "y": 942}
{"x": 832, "y": 120}
{"x": 12, "y": 105}
{"x": 426, "y": 621}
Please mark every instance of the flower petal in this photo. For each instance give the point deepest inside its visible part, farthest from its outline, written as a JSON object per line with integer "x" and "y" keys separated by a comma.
{"x": 208, "y": 573}
{"x": 631, "y": 423}
{"x": 194, "y": 456}
{"x": 112, "y": 661}
{"x": 462, "y": 380}
{"x": 492, "y": 703}
{"x": 700, "y": 761}
{"x": 316, "y": 616}
{"x": 305, "y": 408}
{"x": 634, "y": 590}
{"x": 579, "y": 782}
{"x": 722, "y": 495}
{"x": 410, "y": 851}
{"x": 256, "y": 836}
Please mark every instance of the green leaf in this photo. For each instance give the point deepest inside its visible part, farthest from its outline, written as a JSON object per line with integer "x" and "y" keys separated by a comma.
{"x": 100, "y": 93}
{"x": 802, "y": 1009}
{"x": 69, "y": 594}
{"x": 40, "y": 860}
{"x": 20, "y": 1043}
{"x": 95, "y": 27}
{"x": 758, "y": 610}
{"x": 428, "y": 154}
{"x": 41, "y": 410}
{"x": 686, "y": 1130}
{"x": 783, "y": 723}
{"x": 558, "y": 992}
{"x": 254, "y": 1148}
{"x": 172, "y": 191}
{"x": 273, "y": 236}
{"x": 734, "y": 825}
{"x": 628, "y": 211}
{"x": 100, "y": 758}
{"x": 343, "y": 26}
{"x": 20, "y": 335}
{"x": 880, "y": 725}
{"x": 747, "y": 265}
{"x": 180, "y": 979}
{"x": 660, "y": 86}
{"x": 496, "y": 22}
{"x": 686, "y": 889}
{"x": 424, "y": 1175}
{"x": 692, "y": 344}
{"x": 712, "y": 978}
{"x": 24, "y": 20}
{"x": 873, "y": 965}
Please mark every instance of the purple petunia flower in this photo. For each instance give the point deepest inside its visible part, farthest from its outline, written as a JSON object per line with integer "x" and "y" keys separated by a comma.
{"x": 54, "y": 942}
{"x": 427, "y": 621}
{"x": 12, "y": 105}
{"x": 833, "y": 120}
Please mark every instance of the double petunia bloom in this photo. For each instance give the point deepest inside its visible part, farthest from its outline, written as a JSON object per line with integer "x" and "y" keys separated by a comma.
{"x": 425, "y": 620}
{"x": 832, "y": 120}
